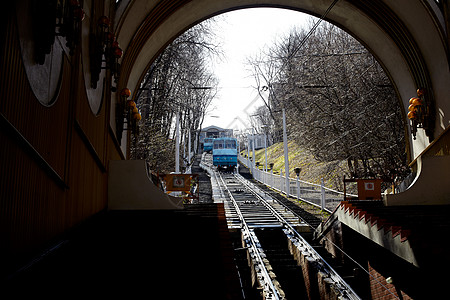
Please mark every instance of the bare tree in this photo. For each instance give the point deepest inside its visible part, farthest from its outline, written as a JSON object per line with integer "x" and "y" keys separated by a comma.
{"x": 340, "y": 104}
{"x": 179, "y": 82}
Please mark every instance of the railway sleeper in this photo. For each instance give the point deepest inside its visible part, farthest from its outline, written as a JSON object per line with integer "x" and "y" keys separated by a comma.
{"x": 286, "y": 264}
{"x": 283, "y": 264}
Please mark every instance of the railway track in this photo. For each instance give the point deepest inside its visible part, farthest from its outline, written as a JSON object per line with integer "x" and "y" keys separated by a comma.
{"x": 280, "y": 262}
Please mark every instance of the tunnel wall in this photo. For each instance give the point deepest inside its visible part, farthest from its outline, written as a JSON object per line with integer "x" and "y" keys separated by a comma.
{"x": 53, "y": 158}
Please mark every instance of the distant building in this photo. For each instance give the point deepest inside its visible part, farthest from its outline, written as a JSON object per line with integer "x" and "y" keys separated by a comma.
{"x": 247, "y": 141}
{"x": 214, "y": 132}
{"x": 259, "y": 141}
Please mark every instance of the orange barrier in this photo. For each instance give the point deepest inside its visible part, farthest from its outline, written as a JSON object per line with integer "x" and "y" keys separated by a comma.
{"x": 368, "y": 189}
{"x": 187, "y": 184}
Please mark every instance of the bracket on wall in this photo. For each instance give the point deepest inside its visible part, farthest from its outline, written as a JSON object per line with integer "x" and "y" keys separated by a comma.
{"x": 420, "y": 114}
{"x": 104, "y": 51}
{"x": 126, "y": 110}
{"x": 53, "y": 18}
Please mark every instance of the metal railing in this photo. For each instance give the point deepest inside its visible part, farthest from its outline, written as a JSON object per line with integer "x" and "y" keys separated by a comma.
{"x": 317, "y": 194}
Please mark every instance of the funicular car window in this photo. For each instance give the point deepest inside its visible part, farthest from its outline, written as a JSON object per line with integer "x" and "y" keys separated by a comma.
{"x": 230, "y": 145}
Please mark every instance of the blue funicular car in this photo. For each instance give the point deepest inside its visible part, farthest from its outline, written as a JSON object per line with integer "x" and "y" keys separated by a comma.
{"x": 225, "y": 152}
{"x": 208, "y": 144}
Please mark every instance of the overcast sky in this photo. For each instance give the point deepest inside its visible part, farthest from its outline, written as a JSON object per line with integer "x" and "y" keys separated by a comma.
{"x": 245, "y": 32}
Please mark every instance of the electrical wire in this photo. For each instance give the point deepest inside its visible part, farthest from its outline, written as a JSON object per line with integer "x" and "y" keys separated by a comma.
{"x": 308, "y": 35}
{"x": 302, "y": 43}
{"x": 311, "y": 31}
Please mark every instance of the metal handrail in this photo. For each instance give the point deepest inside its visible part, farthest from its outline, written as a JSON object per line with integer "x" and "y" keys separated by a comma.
{"x": 315, "y": 194}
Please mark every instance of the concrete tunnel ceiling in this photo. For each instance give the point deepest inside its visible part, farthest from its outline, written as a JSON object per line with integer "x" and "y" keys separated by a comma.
{"x": 407, "y": 37}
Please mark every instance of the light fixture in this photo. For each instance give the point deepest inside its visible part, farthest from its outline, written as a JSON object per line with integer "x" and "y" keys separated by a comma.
{"x": 115, "y": 54}
{"x": 124, "y": 94}
{"x": 105, "y": 51}
{"x": 103, "y": 31}
{"x": 418, "y": 112}
{"x": 120, "y": 111}
{"x": 97, "y": 44}
{"x": 112, "y": 53}
{"x": 72, "y": 25}
{"x": 56, "y": 18}
{"x": 127, "y": 110}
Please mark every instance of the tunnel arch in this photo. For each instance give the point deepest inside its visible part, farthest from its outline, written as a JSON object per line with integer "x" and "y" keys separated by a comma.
{"x": 407, "y": 37}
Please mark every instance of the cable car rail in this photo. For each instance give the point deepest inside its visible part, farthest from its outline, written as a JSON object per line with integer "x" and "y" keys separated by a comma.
{"x": 258, "y": 216}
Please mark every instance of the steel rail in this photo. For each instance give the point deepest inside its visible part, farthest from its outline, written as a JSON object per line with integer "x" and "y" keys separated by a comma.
{"x": 267, "y": 284}
{"x": 339, "y": 283}
{"x": 346, "y": 292}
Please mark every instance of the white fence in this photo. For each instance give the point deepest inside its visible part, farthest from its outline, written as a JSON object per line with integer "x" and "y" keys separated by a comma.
{"x": 316, "y": 194}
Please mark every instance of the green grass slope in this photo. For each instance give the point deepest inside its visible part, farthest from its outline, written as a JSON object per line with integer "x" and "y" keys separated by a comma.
{"x": 311, "y": 169}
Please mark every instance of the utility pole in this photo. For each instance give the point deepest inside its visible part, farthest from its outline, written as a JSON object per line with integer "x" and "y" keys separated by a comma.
{"x": 265, "y": 146}
{"x": 253, "y": 148}
{"x": 248, "y": 153}
{"x": 238, "y": 140}
{"x": 286, "y": 154}
{"x": 188, "y": 170}
{"x": 265, "y": 151}
{"x": 177, "y": 143}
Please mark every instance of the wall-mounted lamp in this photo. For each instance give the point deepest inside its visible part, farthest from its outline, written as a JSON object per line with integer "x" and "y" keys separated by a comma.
{"x": 105, "y": 51}
{"x": 418, "y": 112}
{"x": 56, "y": 18}
{"x": 103, "y": 30}
{"x": 98, "y": 41}
{"x": 137, "y": 116}
{"x": 75, "y": 14}
{"x": 126, "y": 109}
{"x": 133, "y": 117}
{"x": 131, "y": 104}
{"x": 115, "y": 54}
{"x": 120, "y": 111}
{"x": 124, "y": 94}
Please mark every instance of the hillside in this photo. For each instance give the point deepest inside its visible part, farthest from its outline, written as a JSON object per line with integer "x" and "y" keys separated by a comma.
{"x": 311, "y": 169}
